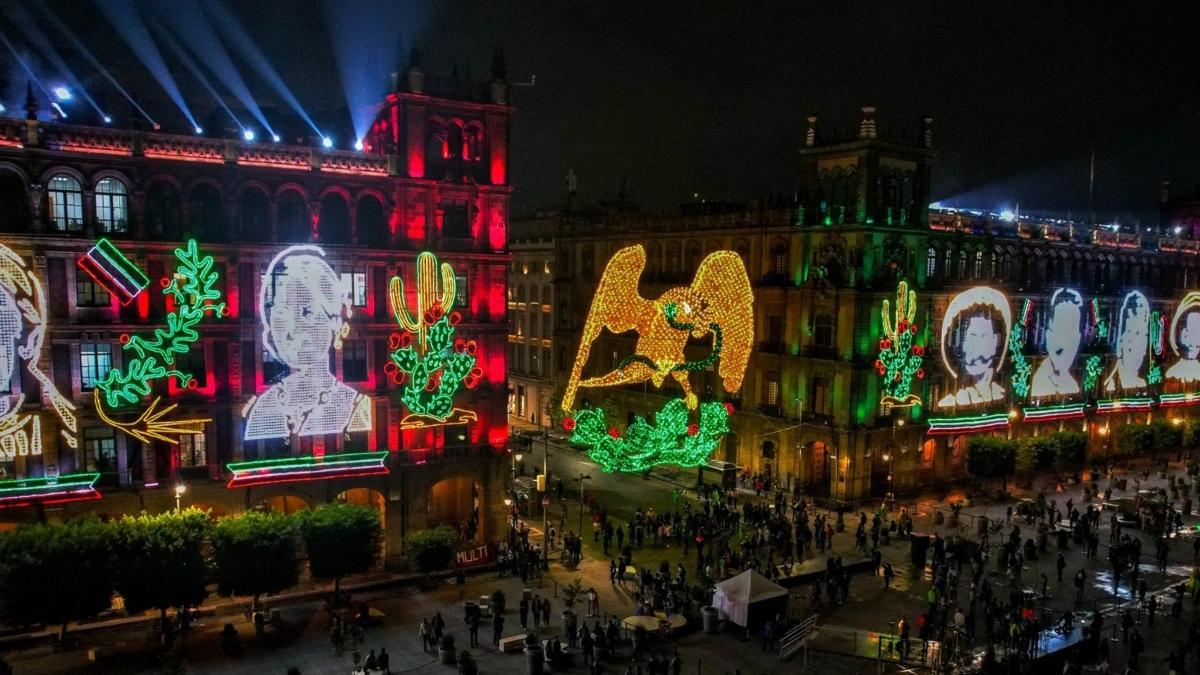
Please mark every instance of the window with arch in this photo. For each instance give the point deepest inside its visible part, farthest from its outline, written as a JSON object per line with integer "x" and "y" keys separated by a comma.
{"x": 112, "y": 206}
{"x": 473, "y": 137}
{"x": 962, "y": 264}
{"x": 742, "y": 248}
{"x": 673, "y": 258}
{"x": 931, "y": 263}
{"x": 977, "y": 273}
{"x": 65, "y": 202}
{"x": 454, "y": 141}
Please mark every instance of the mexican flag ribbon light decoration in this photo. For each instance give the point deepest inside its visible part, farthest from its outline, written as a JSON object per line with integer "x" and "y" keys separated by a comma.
{"x": 899, "y": 356}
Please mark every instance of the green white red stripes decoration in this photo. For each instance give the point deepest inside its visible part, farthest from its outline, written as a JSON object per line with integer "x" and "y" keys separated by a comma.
{"x": 1053, "y": 413}
{"x": 972, "y": 424}
{"x": 56, "y": 490}
{"x": 1120, "y": 405}
{"x": 299, "y": 469}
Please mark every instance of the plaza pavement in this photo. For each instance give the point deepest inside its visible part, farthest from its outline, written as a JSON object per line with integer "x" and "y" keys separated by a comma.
{"x": 303, "y": 638}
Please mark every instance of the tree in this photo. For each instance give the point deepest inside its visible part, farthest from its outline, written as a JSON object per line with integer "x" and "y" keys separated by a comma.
{"x": 431, "y": 550}
{"x": 53, "y": 574}
{"x": 255, "y": 554}
{"x": 340, "y": 539}
{"x": 1070, "y": 448}
{"x": 160, "y": 560}
{"x": 989, "y": 457}
{"x": 1135, "y": 439}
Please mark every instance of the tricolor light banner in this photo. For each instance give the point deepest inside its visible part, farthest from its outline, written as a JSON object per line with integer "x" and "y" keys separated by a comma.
{"x": 1120, "y": 405}
{"x": 298, "y": 469}
{"x": 968, "y": 425}
{"x": 1178, "y": 400}
{"x": 28, "y": 491}
{"x": 1053, "y": 413}
{"x": 112, "y": 270}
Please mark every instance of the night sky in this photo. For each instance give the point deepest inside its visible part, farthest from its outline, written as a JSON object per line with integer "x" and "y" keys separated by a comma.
{"x": 710, "y": 98}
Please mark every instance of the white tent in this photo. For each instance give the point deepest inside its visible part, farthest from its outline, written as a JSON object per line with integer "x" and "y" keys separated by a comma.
{"x": 734, "y": 597}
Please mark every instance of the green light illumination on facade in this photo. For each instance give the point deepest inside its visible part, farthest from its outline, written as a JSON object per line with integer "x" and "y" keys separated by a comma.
{"x": 1022, "y": 370}
{"x": 900, "y": 357}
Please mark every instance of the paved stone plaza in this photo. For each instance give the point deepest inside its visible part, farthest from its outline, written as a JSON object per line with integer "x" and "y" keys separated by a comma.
{"x": 302, "y": 639}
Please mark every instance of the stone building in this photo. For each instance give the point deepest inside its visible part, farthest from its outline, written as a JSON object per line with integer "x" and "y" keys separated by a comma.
{"x": 822, "y": 262}
{"x": 432, "y": 177}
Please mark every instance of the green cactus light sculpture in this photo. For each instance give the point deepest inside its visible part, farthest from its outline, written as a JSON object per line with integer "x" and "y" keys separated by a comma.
{"x": 427, "y": 360}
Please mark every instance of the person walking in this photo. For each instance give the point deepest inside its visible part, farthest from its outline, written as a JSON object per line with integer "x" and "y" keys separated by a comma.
{"x": 1080, "y": 577}
{"x": 497, "y": 629}
{"x": 524, "y": 611}
{"x": 426, "y": 632}
{"x": 768, "y": 636}
{"x": 473, "y": 628}
{"x": 384, "y": 661}
{"x": 460, "y": 579}
{"x": 1061, "y": 564}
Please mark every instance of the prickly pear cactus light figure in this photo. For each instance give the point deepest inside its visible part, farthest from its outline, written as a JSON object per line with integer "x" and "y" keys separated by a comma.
{"x": 900, "y": 356}
{"x": 718, "y": 305}
{"x": 427, "y": 360}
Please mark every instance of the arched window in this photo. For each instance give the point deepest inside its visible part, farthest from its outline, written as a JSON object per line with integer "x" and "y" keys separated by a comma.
{"x": 931, "y": 263}
{"x": 372, "y": 228}
{"x": 162, "y": 210}
{"x": 474, "y": 141}
{"x": 292, "y": 214}
{"x": 204, "y": 213}
{"x": 14, "y": 202}
{"x": 693, "y": 255}
{"x": 978, "y": 271}
{"x": 334, "y": 225}
{"x": 454, "y": 141}
{"x": 65, "y": 201}
{"x": 253, "y": 214}
{"x": 673, "y": 258}
{"x": 112, "y": 206}
{"x": 742, "y": 247}
{"x": 962, "y": 264}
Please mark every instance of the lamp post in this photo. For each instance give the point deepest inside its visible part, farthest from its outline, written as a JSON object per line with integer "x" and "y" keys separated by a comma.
{"x": 582, "y": 477}
{"x": 545, "y": 496}
{"x": 1104, "y": 434}
{"x": 179, "y": 490}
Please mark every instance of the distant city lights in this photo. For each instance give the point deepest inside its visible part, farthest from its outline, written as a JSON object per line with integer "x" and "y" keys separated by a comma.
{"x": 248, "y": 135}
{"x": 62, "y": 93}
{"x": 327, "y": 142}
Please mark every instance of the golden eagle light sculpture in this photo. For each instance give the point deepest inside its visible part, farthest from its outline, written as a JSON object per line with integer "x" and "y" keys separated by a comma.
{"x": 719, "y": 302}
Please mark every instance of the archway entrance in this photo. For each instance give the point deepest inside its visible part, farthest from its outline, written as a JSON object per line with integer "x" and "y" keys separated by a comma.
{"x": 456, "y": 502}
{"x": 821, "y": 468}
{"x": 285, "y": 504}
{"x": 374, "y": 499}
{"x": 883, "y": 462}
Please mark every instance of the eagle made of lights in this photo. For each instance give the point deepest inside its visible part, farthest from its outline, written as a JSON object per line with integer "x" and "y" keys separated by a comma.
{"x": 718, "y": 305}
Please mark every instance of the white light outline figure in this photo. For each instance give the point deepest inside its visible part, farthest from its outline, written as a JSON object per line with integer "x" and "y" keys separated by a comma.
{"x": 1120, "y": 373}
{"x": 1047, "y": 380}
{"x": 22, "y": 300}
{"x": 966, "y": 301}
{"x": 1187, "y": 368}
{"x": 310, "y": 400}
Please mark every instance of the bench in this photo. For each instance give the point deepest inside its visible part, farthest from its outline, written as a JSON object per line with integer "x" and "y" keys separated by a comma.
{"x": 512, "y": 643}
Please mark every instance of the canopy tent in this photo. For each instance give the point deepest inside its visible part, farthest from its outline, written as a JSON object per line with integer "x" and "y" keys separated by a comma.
{"x": 749, "y": 599}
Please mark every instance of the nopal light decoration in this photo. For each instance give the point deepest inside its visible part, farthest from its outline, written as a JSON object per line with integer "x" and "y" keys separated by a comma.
{"x": 193, "y": 289}
{"x": 427, "y": 360}
{"x": 900, "y": 356}
{"x": 719, "y": 304}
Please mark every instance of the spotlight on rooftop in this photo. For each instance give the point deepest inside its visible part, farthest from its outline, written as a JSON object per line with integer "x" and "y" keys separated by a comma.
{"x": 199, "y": 131}
{"x": 3, "y": 109}
{"x": 275, "y": 137}
{"x": 107, "y": 119}
{"x": 61, "y": 93}
{"x": 327, "y": 142}
{"x": 1008, "y": 216}
{"x": 248, "y": 135}
{"x": 358, "y": 145}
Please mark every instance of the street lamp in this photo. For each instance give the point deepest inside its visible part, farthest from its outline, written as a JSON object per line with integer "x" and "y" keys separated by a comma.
{"x": 179, "y": 490}
{"x": 582, "y": 477}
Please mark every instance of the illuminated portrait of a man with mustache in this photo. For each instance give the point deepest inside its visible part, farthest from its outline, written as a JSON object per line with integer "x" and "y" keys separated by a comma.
{"x": 974, "y": 340}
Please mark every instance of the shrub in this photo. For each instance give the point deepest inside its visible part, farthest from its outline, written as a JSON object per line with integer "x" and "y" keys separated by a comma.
{"x": 340, "y": 539}
{"x": 431, "y": 550}
{"x": 254, "y": 554}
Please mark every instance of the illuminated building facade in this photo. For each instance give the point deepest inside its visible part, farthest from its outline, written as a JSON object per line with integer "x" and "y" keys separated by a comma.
{"x": 309, "y": 266}
{"x": 1021, "y": 325}
{"x": 531, "y": 321}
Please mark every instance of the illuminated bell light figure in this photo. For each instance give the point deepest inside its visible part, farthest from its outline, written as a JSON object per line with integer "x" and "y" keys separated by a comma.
{"x": 305, "y": 308}
{"x": 983, "y": 348}
{"x": 1064, "y": 330}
